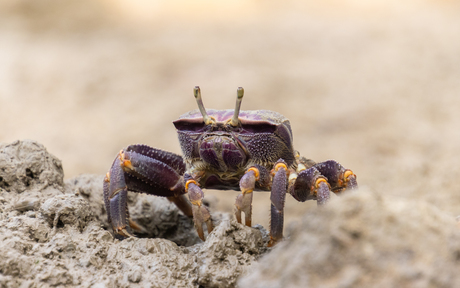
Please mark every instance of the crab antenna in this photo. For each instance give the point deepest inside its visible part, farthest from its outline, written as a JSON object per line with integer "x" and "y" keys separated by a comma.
{"x": 239, "y": 98}
{"x": 197, "y": 93}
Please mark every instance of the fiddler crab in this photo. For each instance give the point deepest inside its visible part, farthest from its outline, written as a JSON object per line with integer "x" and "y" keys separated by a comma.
{"x": 222, "y": 149}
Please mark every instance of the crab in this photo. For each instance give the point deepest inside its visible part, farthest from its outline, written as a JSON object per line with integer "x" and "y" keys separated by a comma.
{"x": 245, "y": 151}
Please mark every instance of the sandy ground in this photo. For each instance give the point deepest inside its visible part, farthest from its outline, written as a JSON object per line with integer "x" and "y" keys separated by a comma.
{"x": 372, "y": 84}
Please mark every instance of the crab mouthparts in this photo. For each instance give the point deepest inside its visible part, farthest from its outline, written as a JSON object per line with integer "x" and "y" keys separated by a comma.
{"x": 222, "y": 153}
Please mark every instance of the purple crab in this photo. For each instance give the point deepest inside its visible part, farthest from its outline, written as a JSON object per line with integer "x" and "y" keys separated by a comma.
{"x": 222, "y": 149}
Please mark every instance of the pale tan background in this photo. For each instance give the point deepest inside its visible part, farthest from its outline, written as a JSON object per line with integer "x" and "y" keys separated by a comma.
{"x": 372, "y": 84}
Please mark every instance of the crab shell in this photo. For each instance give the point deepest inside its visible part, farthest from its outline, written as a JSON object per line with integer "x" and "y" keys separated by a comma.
{"x": 223, "y": 152}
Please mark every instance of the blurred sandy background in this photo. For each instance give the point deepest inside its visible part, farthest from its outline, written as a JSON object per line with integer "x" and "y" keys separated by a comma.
{"x": 372, "y": 84}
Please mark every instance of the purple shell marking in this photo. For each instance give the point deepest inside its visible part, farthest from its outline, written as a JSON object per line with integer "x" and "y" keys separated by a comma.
{"x": 246, "y": 117}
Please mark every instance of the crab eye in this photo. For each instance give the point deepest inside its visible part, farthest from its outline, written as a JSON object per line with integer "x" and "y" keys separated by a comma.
{"x": 189, "y": 126}
{"x": 259, "y": 128}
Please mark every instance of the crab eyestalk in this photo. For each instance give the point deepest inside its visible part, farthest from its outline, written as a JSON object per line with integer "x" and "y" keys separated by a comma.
{"x": 197, "y": 92}
{"x": 239, "y": 98}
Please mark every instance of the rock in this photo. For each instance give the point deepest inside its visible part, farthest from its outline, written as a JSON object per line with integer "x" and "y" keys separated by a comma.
{"x": 364, "y": 239}
{"x": 162, "y": 219}
{"x": 229, "y": 252}
{"x": 51, "y": 235}
{"x": 26, "y": 204}
{"x": 89, "y": 187}
{"x": 27, "y": 165}
{"x": 67, "y": 209}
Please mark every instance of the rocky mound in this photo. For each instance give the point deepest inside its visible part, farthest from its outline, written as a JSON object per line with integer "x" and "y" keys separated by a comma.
{"x": 364, "y": 239}
{"x": 53, "y": 234}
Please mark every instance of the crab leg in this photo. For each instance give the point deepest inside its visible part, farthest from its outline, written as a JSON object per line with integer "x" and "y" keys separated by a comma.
{"x": 337, "y": 176}
{"x": 243, "y": 201}
{"x": 200, "y": 212}
{"x": 166, "y": 181}
{"x": 309, "y": 184}
{"x": 318, "y": 181}
{"x": 140, "y": 168}
{"x": 106, "y": 189}
{"x": 115, "y": 196}
{"x": 183, "y": 204}
{"x": 277, "y": 197}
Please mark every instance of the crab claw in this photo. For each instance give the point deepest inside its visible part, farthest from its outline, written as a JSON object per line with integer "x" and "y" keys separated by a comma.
{"x": 140, "y": 168}
{"x": 115, "y": 197}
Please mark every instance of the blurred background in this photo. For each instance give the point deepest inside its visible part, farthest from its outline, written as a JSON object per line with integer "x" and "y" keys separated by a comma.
{"x": 372, "y": 84}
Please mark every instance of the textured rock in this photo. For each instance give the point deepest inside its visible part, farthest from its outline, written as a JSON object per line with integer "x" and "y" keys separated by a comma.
{"x": 27, "y": 165}
{"x": 228, "y": 253}
{"x": 66, "y": 209}
{"x": 89, "y": 187}
{"x": 364, "y": 239}
{"x": 51, "y": 235}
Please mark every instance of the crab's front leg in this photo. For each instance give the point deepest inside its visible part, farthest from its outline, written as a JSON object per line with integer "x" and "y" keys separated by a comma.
{"x": 200, "y": 212}
{"x": 115, "y": 199}
{"x": 254, "y": 174}
{"x": 143, "y": 169}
